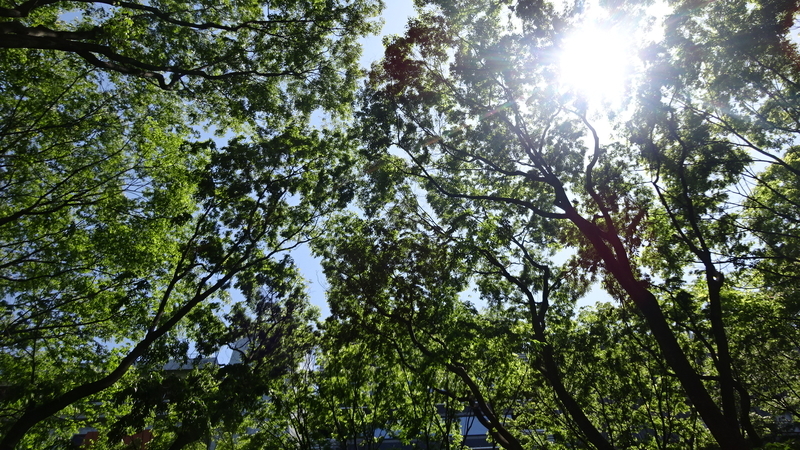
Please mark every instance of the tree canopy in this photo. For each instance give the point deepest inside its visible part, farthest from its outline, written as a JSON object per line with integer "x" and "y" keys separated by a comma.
{"x": 124, "y": 228}
{"x": 160, "y": 164}
{"x": 661, "y": 212}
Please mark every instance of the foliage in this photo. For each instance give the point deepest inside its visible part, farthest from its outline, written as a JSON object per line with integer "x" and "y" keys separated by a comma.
{"x": 122, "y": 231}
{"x": 486, "y": 203}
{"x": 233, "y": 60}
{"x": 677, "y": 214}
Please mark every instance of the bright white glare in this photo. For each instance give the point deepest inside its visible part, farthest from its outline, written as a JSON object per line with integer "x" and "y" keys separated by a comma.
{"x": 595, "y": 62}
{"x": 600, "y": 58}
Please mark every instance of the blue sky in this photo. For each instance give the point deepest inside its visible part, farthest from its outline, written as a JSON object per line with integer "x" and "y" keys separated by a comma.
{"x": 395, "y": 16}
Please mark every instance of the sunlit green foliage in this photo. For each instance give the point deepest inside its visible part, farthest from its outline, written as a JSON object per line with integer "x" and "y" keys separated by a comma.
{"x": 122, "y": 231}
{"x": 683, "y": 215}
{"x": 488, "y": 200}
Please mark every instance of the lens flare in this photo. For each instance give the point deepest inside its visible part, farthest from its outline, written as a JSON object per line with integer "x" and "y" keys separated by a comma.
{"x": 595, "y": 62}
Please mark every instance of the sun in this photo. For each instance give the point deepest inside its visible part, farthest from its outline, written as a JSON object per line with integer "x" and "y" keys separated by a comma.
{"x": 595, "y": 62}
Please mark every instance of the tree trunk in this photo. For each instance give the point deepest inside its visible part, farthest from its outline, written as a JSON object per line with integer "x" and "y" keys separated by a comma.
{"x": 575, "y": 411}
{"x": 17, "y": 431}
{"x": 728, "y": 436}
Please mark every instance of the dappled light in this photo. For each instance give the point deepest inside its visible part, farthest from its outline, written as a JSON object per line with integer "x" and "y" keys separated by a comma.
{"x": 542, "y": 224}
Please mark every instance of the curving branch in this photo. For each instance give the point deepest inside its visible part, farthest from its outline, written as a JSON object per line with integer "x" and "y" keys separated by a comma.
{"x": 32, "y": 38}
{"x": 24, "y": 10}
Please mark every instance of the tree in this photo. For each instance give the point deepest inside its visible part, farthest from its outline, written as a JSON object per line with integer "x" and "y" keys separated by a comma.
{"x": 121, "y": 231}
{"x": 270, "y": 334}
{"x": 116, "y": 222}
{"x": 404, "y": 320}
{"x": 470, "y": 98}
{"x": 409, "y": 305}
{"x": 241, "y": 56}
{"x": 246, "y": 216}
